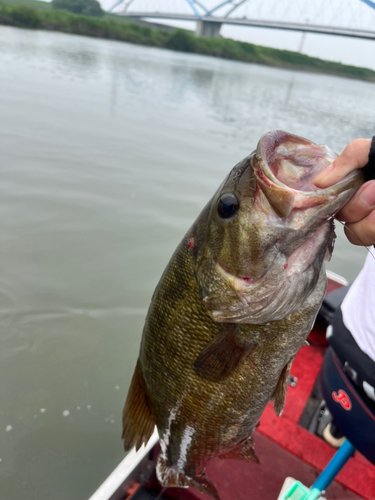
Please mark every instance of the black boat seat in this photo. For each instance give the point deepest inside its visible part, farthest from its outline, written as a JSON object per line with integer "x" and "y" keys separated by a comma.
{"x": 352, "y": 411}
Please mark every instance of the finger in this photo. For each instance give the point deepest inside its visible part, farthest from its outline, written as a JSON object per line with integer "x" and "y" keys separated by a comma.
{"x": 354, "y": 156}
{"x": 362, "y": 203}
{"x": 363, "y": 232}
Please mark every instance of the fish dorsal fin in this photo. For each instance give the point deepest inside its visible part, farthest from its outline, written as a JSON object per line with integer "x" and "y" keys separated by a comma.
{"x": 137, "y": 421}
{"x": 222, "y": 355}
{"x": 280, "y": 391}
{"x": 243, "y": 452}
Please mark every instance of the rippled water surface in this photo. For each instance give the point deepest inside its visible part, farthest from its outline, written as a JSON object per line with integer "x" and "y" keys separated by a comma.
{"x": 108, "y": 153}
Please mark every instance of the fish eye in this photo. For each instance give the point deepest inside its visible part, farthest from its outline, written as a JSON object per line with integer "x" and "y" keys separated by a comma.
{"x": 227, "y": 206}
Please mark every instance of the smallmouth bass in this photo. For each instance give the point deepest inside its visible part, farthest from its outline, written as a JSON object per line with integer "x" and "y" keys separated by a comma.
{"x": 234, "y": 305}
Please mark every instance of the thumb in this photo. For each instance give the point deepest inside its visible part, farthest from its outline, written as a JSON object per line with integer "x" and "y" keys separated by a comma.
{"x": 354, "y": 156}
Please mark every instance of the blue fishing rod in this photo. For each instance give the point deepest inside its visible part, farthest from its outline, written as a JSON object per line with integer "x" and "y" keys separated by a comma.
{"x": 299, "y": 492}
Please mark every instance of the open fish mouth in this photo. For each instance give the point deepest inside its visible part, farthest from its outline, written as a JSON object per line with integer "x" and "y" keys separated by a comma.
{"x": 294, "y": 161}
{"x": 285, "y": 166}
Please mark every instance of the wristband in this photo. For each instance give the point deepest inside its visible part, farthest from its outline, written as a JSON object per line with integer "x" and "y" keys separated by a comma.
{"x": 369, "y": 169}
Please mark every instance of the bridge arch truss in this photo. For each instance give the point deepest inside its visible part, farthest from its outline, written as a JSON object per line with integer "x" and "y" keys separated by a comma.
{"x": 353, "y": 18}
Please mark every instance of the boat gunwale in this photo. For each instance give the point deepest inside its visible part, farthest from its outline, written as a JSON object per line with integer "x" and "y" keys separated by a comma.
{"x": 127, "y": 471}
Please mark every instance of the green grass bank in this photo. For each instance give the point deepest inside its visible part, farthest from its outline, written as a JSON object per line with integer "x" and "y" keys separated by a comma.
{"x": 45, "y": 18}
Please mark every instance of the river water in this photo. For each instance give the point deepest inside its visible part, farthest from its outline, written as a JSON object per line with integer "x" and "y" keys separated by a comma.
{"x": 108, "y": 153}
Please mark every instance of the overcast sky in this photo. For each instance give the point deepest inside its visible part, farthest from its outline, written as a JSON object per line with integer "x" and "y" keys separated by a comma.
{"x": 349, "y": 13}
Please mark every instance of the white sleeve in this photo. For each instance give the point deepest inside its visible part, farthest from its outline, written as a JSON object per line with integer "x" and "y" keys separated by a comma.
{"x": 358, "y": 308}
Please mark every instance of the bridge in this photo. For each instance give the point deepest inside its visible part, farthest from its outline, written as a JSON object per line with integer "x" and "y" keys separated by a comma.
{"x": 352, "y": 18}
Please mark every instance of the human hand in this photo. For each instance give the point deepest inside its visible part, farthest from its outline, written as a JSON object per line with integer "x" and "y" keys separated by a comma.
{"x": 359, "y": 213}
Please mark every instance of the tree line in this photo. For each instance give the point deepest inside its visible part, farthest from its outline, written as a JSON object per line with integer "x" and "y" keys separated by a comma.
{"x": 88, "y": 20}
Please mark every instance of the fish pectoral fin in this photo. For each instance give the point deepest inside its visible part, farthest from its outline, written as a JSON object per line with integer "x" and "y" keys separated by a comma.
{"x": 222, "y": 355}
{"x": 279, "y": 394}
{"x": 137, "y": 421}
{"x": 243, "y": 452}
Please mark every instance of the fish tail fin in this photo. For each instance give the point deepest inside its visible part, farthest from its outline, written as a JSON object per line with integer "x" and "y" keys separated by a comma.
{"x": 137, "y": 421}
{"x": 170, "y": 476}
{"x": 203, "y": 484}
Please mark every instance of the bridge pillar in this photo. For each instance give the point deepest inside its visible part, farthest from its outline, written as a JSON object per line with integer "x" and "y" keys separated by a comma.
{"x": 207, "y": 29}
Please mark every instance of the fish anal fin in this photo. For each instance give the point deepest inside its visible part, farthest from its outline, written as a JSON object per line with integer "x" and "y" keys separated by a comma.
{"x": 170, "y": 476}
{"x": 222, "y": 355}
{"x": 244, "y": 452}
{"x": 137, "y": 421}
{"x": 279, "y": 394}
